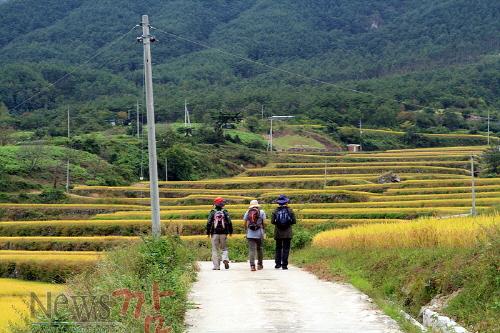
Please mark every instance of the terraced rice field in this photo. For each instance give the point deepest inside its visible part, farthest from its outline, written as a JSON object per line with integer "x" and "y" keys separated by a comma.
{"x": 435, "y": 182}
{"x": 423, "y": 233}
{"x": 14, "y": 295}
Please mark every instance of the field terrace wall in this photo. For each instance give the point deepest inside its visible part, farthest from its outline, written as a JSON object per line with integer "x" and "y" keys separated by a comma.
{"x": 51, "y": 242}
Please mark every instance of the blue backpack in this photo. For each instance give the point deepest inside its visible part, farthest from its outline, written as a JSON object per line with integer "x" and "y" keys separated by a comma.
{"x": 283, "y": 218}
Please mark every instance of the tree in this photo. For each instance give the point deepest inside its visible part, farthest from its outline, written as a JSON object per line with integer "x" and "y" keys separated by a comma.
{"x": 426, "y": 118}
{"x": 452, "y": 120}
{"x": 414, "y": 139}
{"x": 253, "y": 124}
{"x": 32, "y": 155}
{"x": 180, "y": 165}
{"x": 5, "y": 135}
{"x": 222, "y": 119}
{"x": 491, "y": 161}
{"x": 5, "y": 117}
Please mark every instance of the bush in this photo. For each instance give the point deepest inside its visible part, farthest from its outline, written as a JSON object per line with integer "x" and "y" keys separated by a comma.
{"x": 491, "y": 162}
{"x": 52, "y": 196}
{"x": 166, "y": 263}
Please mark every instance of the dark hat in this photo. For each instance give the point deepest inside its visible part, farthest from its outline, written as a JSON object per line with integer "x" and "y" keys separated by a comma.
{"x": 282, "y": 200}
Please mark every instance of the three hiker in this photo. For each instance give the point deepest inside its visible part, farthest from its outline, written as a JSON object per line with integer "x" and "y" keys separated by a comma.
{"x": 219, "y": 226}
{"x": 255, "y": 232}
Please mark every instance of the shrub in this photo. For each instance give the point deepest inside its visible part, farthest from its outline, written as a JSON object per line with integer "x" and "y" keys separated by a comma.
{"x": 166, "y": 262}
{"x": 52, "y": 196}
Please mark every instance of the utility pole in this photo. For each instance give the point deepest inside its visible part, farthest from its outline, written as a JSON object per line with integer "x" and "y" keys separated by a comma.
{"x": 146, "y": 40}
{"x": 67, "y": 162}
{"x": 138, "y": 120}
{"x": 270, "y": 142}
{"x": 187, "y": 121}
{"x": 488, "y": 127}
{"x": 271, "y": 136}
{"x": 326, "y": 161}
{"x": 166, "y": 169}
{"x": 473, "y": 187}
{"x": 262, "y": 111}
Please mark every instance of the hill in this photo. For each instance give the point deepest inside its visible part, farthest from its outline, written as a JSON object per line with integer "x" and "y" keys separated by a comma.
{"x": 442, "y": 55}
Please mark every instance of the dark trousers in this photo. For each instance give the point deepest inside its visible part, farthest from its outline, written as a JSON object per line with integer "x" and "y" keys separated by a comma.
{"x": 282, "y": 251}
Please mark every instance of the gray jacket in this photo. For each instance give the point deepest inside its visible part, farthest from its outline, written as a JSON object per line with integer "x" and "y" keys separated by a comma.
{"x": 256, "y": 234}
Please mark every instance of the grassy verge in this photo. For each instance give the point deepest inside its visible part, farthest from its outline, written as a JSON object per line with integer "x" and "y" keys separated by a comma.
{"x": 166, "y": 263}
{"x": 410, "y": 278}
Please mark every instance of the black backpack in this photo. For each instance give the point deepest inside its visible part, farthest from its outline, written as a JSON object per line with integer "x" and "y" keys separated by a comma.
{"x": 283, "y": 218}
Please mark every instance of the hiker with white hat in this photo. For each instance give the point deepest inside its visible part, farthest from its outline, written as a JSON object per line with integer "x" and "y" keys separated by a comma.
{"x": 255, "y": 231}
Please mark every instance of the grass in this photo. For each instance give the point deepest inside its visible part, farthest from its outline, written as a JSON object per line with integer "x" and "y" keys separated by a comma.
{"x": 48, "y": 266}
{"x": 166, "y": 263}
{"x": 286, "y": 142}
{"x": 356, "y": 170}
{"x": 410, "y": 277}
{"x": 246, "y": 137}
{"x": 456, "y": 164}
{"x": 424, "y": 233}
{"x": 21, "y": 256}
{"x": 404, "y": 212}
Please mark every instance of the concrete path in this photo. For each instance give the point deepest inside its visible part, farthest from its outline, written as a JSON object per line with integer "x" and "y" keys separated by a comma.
{"x": 238, "y": 300}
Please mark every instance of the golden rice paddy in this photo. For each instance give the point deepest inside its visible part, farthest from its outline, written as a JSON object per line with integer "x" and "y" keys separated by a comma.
{"x": 423, "y": 233}
{"x": 435, "y": 182}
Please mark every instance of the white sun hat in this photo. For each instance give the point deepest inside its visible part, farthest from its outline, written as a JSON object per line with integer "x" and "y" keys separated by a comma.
{"x": 254, "y": 203}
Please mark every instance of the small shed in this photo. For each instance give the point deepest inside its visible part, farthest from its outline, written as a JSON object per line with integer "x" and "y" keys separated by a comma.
{"x": 353, "y": 147}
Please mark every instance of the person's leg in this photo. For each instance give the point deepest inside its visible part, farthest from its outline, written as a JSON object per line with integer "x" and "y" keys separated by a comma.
{"x": 252, "y": 248}
{"x": 260, "y": 253}
{"x": 278, "y": 252}
{"x": 215, "y": 251}
{"x": 286, "y": 252}
{"x": 225, "y": 251}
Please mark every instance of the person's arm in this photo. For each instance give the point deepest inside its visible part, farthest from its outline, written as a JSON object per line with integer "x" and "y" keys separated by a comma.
{"x": 210, "y": 222}
{"x": 273, "y": 218}
{"x": 245, "y": 222}
{"x": 229, "y": 223}
{"x": 263, "y": 214}
{"x": 292, "y": 215}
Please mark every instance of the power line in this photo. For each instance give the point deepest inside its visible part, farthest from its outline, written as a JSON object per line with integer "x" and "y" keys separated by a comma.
{"x": 51, "y": 84}
{"x": 310, "y": 78}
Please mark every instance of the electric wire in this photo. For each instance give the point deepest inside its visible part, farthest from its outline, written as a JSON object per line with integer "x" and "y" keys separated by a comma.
{"x": 51, "y": 84}
{"x": 310, "y": 78}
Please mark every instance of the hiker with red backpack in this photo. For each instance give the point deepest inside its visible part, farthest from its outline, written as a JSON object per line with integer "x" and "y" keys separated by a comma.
{"x": 219, "y": 226}
{"x": 283, "y": 218}
{"x": 255, "y": 231}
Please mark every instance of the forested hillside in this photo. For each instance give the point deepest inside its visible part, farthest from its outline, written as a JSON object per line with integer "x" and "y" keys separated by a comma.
{"x": 409, "y": 54}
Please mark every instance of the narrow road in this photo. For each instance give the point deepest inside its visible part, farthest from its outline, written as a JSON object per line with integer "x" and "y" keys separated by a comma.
{"x": 238, "y": 300}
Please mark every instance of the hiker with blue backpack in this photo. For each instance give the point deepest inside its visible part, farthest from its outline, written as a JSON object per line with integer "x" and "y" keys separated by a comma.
{"x": 219, "y": 226}
{"x": 283, "y": 218}
{"x": 255, "y": 232}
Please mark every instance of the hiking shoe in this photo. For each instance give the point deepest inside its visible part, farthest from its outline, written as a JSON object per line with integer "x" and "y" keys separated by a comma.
{"x": 216, "y": 269}
{"x": 226, "y": 264}
{"x": 252, "y": 268}
{"x": 284, "y": 267}
{"x": 277, "y": 266}
{"x": 260, "y": 267}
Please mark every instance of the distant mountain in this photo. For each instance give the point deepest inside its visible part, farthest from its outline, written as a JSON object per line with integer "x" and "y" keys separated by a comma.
{"x": 346, "y": 42}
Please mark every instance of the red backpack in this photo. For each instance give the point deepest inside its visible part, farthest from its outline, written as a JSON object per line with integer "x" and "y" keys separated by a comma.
{"x": 253, "y": 216}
